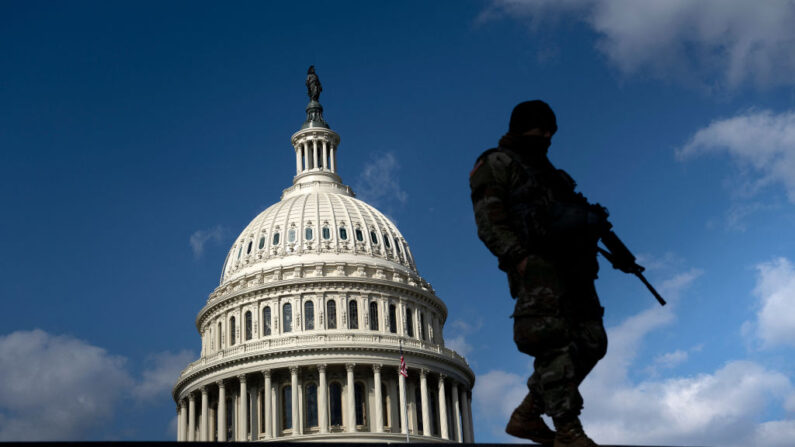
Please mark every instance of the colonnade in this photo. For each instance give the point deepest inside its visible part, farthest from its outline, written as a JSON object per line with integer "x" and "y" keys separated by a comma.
{"x": 315, "y": 154}
{"x": 322, "y": 399}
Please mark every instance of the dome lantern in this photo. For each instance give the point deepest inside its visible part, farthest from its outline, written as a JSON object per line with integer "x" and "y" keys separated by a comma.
{"x": 315, "y": 143}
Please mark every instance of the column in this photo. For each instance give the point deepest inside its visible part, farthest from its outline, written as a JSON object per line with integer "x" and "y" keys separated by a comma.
{"x": 221, "y": 411}
{"x": 333, "y": 158}
{"x": 294, "y": 397}
{"x": 242, "y": 417}
{"x": 204, "y": 424}
{"x": 322, "y": 399}
{"x": 404, "y": 426}
{"x": 183, "y": 422}
{"x": 298, "y": 159}
{"x": 465, "y": 415}
{"x": 426, "y": 415}
{"x": 266, "y": 405}
{"x": 305, "y": 155}
{"x": 314, "y": 153}
{"x": 191, "y": 418}
{"x": 351, "y": 402}
{"x": 456, "y": 413}
{"x": 379, "y": 406}
{"x": 443, "y": 429}
{"x": 325, "y": 155}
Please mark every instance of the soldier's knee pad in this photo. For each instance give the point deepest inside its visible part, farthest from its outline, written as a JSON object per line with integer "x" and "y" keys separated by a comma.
{"x": 535, "y": 335}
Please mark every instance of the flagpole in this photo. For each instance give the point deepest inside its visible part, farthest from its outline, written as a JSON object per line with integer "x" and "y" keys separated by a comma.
{"x": 405, "y": 401}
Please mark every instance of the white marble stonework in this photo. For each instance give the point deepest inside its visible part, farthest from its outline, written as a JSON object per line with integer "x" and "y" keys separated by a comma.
{"x": 278, "y": 364}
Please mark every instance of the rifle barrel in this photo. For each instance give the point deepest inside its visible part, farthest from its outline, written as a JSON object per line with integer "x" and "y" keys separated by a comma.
{"x": 650, "y": 287}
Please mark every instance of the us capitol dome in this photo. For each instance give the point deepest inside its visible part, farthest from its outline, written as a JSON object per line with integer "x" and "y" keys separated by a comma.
{"x": 302, "y": 340}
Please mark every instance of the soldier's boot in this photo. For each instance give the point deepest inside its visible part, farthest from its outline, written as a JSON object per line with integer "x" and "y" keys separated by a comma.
{"x": 569, "y": 433}
{"x": 526, "y": 423}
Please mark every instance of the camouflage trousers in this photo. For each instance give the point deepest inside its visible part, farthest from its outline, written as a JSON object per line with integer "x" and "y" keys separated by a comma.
{"x": 565, "y": 347}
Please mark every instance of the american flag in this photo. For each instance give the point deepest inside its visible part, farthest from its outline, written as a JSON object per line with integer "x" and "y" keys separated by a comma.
{"x": 403, "y": 371}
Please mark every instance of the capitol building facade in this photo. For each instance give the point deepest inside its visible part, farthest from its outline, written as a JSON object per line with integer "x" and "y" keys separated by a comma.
{"x": 302, "y": 339}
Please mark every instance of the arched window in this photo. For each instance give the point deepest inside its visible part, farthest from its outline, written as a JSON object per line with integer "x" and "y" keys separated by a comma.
{"x": 232, "y": 331}
{"x": 261, "y": 242}
{"x": 309, "y": 315}
{"x": 291, "y": 235}
{"x": 249, "y": 326}
{"x": 335, "y": 403}
{"x": 373, "y": 316}
{"x": 422, "y": 326}
{"x": 248, "y": 250}
{"x": 418, "y": 405}
{"x": 392, "y": 319}
{"x": 239, "y": 251}
{"x": 409, "y": 322}
{"x": 361, "y": 405}
{"x": 326, "y": 233}
{"x": 343, "y": 234}
{"x": 287, "y": 407}
{"x": 218, "y": 335}
{"x": 373, "y": 237}
{"x": 311, "y": 405}
{"x": 331, "y": 314}
{"x": 353, "y": 315}
{"x": 386, "y": 241}
{"x": 276, "y": 238}
{"x": 359, "y": 235}
{"x": 266, "y": 320}
{"x": 287, "y": 317}
{"x": 308, "y": 233}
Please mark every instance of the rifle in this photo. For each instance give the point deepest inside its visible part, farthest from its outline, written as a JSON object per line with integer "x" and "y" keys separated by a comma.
{"x": 620, "y": 256}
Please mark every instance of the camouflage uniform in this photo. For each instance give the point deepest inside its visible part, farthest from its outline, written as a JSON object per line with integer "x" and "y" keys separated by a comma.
{"x": 524, "y": 207}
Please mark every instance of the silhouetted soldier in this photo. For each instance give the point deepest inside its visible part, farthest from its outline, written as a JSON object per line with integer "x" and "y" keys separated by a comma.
{"x": 545, "y": 236}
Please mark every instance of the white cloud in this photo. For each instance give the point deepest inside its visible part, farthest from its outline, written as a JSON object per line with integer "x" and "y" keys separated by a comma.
{"x": 494, "y": 398}
{"x": 671, "y": 359}
{"x": 459, "y": 345}
{"x": 775, "y": 289}
{"x": 721, "y": 408}
{"x": 458, "y": 332}
{"x": 379, "y": 183}
{"x": 56, "y": 387}
{"x": 735, "y": 40}
{"x": 161, "y": 375}
{"x": 199, "y": 239}
{"x": 760, "y": 142}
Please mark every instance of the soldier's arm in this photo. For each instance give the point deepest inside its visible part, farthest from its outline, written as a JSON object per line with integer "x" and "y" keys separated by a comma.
{"x": 489, "y": 182}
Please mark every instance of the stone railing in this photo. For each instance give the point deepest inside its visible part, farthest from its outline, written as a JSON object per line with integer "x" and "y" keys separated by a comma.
{"x": 314, "y": 341}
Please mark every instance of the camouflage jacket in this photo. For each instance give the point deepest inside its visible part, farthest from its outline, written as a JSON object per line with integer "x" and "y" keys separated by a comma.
{"x": 524, "y": 206}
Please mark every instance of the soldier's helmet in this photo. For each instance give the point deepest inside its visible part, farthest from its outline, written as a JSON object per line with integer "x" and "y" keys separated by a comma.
{"x": 531, "y": 115}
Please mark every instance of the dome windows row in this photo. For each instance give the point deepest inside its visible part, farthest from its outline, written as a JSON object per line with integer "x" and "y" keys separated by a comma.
{"x": 374, "y": 316}
{"x": 392, "y": 245}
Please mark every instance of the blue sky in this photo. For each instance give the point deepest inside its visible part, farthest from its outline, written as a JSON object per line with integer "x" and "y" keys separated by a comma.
{"x": 138, "y": 139}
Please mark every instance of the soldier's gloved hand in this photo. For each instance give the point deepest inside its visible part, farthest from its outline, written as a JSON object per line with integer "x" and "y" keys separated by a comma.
{"x": 597, "y": 219}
